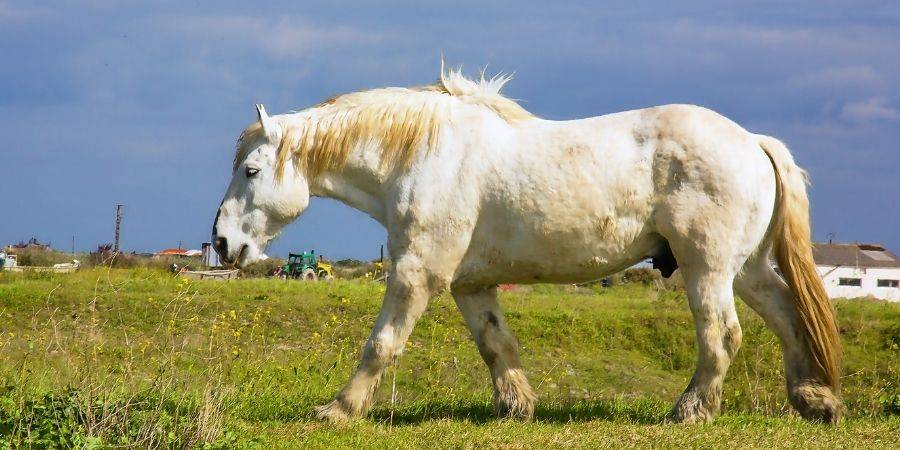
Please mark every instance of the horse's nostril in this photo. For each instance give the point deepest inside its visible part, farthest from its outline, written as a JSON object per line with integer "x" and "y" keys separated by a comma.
{"x": 220, "y": 244}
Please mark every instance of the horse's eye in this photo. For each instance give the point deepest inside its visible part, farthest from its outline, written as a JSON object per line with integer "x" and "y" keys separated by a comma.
{"x": 251, "y": 171}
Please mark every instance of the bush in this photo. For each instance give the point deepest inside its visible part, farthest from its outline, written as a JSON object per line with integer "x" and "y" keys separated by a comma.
{"x": 350, "y": 263}
{"x": 350, "y": 272}
{"x": 891, "y": 403}
{"x": 351, "y": 268}
{"x": 42, "y": 258}
{"x": 135, "y": 261}
{"x": 643, "y": 275}
{"x": 263, "y": 268}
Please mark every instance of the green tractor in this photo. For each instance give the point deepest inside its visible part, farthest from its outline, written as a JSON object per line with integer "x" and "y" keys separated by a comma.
{"x": 307, "y": 267}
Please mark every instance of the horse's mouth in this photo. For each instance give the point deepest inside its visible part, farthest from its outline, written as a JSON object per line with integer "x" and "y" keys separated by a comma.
{"x": 238, "y": 260}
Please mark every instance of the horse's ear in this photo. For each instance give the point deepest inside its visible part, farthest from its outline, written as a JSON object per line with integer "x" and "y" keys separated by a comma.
{"x": 270, "y": 128}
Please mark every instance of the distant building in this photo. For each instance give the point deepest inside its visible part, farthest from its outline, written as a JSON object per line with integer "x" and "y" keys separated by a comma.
{"x": 177, "y": 252}
{"x": 858, "y": 270}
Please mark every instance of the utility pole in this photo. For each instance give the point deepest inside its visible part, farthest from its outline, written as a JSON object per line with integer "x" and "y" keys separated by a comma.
{"x": 73, "y": 245}
{"x": 118, "y": 225}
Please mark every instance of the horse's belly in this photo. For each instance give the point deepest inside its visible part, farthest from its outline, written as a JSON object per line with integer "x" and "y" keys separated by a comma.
{"x": 546, "y": 250}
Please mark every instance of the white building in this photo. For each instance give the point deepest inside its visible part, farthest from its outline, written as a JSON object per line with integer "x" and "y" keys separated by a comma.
{"x": 858, "y": 270}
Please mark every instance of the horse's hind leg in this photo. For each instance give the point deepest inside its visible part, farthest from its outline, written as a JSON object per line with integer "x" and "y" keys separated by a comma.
{"x": 763, "y": 290}
{"x": 718, "y": 339}
{"x": 513, "y": 396}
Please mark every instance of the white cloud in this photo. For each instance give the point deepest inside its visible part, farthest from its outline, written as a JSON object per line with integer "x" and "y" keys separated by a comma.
{"x": 846, "y": 41}
{"x": 876, "y": 108}
{"x": 739, "y": 33}
{"x": 10, "y": 13}
{"x": 862, "y": 76}
{"x": 283, "y": 37}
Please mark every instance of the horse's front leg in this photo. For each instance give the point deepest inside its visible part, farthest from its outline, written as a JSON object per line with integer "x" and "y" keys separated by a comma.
{"x": 406, "y": 298}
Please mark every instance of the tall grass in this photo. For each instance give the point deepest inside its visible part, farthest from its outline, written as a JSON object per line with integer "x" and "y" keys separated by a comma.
{"x": 79, "y": 380}
{"x": 139, "y": 358}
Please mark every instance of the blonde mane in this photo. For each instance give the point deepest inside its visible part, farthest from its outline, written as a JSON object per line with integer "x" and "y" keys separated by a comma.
{"x": 401, "y": 120}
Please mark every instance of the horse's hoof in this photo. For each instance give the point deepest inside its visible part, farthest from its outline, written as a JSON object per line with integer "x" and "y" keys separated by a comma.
{"x": 817, "y": 403}
{"x": 690, "y": 408}
{"x": 513, "y": 397}
{"x": 333, "y": 412}
{"x": 515, "y": 410}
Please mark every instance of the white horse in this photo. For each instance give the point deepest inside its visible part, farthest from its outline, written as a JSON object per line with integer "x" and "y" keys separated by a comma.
{"x": 474, "y": 191}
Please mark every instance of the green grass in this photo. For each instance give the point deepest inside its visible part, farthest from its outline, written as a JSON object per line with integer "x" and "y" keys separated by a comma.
{"x": 137, "y": 357}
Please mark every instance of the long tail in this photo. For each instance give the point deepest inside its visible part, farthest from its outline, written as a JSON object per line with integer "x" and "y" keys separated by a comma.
{"x": 792, "y": 246}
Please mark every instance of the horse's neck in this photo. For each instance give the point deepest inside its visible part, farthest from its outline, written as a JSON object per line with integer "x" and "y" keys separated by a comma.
{"x": 359, "y": 184}
{"x": 363, "y": 184}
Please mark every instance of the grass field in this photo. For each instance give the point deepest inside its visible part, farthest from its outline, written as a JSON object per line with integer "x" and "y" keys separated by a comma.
{"x": 138, "y": 358}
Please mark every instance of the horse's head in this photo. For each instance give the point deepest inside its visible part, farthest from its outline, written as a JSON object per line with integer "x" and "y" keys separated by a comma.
{"x": 257, "y": 204}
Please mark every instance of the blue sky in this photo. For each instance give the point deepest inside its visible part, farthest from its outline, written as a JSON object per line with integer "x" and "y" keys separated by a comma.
{"x": 105, "y": 102}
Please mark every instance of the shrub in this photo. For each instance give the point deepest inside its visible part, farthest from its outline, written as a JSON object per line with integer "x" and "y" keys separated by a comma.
{"x": 263, "y": 268}
{"x": 42, "y": 257}
{"x": 643, "y": 275}
{"x": 891, "y": 404}
{"x": 350, "y": 263}
{"x": 135, "y": 261}
{"x": 351, "y": 268}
